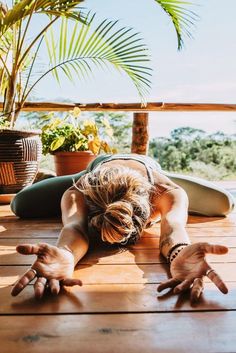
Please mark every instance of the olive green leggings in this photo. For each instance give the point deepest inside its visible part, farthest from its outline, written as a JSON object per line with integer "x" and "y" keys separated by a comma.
{"x": 42, "y": 199}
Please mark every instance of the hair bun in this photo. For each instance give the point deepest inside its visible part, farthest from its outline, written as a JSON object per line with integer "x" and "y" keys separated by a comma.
{"x": 120, "y": 207}
{"x": 118, "y": 202}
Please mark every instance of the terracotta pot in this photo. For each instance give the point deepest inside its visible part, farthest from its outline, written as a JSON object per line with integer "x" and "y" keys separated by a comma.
{"x": 72, "y": 162}
{"x": 20, "y": 153}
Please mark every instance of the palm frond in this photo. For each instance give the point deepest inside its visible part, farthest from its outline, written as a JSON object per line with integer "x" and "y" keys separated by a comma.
{"x": 81, "y": 49}
{"x": 181, "y": 16}
{"x": 55, "y": 8}
{"x": 5, "y": 48}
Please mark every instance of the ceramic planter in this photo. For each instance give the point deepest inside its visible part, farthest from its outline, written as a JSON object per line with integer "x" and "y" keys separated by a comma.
{"x": 72, "y": 162}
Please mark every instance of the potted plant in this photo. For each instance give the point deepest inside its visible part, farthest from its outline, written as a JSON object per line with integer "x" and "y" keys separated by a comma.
{"x": 74, "y": 49}
{"x": 74, "y": 142}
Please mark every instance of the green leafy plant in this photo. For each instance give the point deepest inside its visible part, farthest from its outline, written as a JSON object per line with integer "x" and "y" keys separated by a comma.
{"x": 72, "y": 134}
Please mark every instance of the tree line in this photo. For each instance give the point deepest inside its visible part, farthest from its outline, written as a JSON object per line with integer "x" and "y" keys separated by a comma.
{"x": 193, "y": 151}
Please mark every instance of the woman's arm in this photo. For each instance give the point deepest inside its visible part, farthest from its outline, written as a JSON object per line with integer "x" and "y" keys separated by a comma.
{"x": 54, "y": 265}
{"x": 173, "y": 206}
{"x": 73, "y": 236}
{"x": 188, "y": 263}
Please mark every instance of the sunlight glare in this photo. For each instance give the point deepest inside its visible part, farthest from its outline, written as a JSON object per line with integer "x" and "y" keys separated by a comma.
{"x": 11, "y": 250}
{"x": 8, "y": 280}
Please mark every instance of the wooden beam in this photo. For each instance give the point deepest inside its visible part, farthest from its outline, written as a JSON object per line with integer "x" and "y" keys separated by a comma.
{"x": 135, "y": 107}
{"x": 140, "y": 135}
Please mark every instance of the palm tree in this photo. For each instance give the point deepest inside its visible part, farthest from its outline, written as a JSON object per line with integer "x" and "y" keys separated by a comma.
{"x": 78, "y": 51}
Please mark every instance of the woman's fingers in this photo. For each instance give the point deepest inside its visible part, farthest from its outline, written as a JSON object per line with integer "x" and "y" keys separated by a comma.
{"x": 171, "y": 283}
{"x": 213, "y": 248}
{"x": 197, "y": 289}
{"x": 23, "y": 281}
{"x": 215, "y": 278}
{"x": 29, "y": 249}
{"x": 39, "y": 287}
{"x": 54, "y": 285}
{"x": 183, "y": 286}
{"x": 70, "y": 282}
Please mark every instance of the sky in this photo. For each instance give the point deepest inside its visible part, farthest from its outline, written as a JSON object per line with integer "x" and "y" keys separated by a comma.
{"x": 204, "y": 71}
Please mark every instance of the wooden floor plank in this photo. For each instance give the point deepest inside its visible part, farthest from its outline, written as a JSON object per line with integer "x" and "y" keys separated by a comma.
{"x": 193, "y": 222}
{"x": 30, "y": 233}
{"x": 199, "y": 221}
{"x": 9, "y": 256}
{"x": 113, "y": 274}
{"x": 103, "y": 256}
{"x": 31, "y": 225}
{"x": 115, "y": 298}
{"x": 119, "y": 333}
{"x": 53, "y": 232}
{"x": 143, "y": 244}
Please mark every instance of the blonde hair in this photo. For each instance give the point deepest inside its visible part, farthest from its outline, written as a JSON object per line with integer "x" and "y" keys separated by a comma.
{"x": 118, "y": 202}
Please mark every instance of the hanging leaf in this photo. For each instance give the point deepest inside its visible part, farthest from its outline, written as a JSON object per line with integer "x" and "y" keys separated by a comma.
{"x": 105, "y": 147}
{"x": 89, "y": 128}
{"x": 76, "y": 112}
{"x": 94, "y": 145}
{"x": 57, "y": 143}
{"x": 108, "y": 129}
{"x": 181, "y": 16}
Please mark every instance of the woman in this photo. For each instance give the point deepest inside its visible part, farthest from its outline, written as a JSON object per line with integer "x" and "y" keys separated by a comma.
{"x": 115, "y": 199}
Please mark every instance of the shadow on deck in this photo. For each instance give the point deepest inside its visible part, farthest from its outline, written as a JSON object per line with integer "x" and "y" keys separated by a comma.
{"x": 117, "y": 309}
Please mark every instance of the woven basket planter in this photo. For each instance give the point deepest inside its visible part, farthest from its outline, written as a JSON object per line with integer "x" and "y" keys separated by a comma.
{"x": 20, "y": 153}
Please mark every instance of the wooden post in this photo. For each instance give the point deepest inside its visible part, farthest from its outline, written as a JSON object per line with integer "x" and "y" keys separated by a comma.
{"x": 140, "y": 135}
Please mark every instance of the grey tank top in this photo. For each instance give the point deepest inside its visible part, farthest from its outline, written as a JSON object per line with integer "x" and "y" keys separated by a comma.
{"x": 149, "y": 163}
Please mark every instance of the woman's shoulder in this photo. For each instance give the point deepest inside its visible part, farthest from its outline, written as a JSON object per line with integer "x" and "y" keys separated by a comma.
{"x": 162, "y": 183}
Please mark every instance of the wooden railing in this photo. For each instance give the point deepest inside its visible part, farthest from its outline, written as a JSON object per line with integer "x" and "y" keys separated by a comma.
{"x": 135, "y": 107}
{"x": 140, "y": 117}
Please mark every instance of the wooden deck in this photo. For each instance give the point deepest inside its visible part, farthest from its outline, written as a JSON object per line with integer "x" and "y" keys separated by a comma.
{"x": 117, "y": 309}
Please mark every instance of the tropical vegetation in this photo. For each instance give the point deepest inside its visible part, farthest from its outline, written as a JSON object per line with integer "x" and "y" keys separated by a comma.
{"x": 187, "y": 150}
{"x": 193, "y": 151}
{"x": 74, "y": 52}
{"x": 78, "y": 49}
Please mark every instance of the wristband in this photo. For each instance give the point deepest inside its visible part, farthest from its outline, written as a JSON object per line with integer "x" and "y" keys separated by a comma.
{"x": 175, "y": 250}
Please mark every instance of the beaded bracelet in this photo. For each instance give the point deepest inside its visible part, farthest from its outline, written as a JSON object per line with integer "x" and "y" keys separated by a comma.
{"x": 174, "y": 251}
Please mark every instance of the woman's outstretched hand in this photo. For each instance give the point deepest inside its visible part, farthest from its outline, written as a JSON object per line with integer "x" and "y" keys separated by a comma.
{"x": 53, "y": 267}
{"x": 189, "y": 268}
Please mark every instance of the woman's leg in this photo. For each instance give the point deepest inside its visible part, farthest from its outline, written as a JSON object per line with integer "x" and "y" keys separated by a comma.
{"x": 43, "y": 199}
{"x": 205, "y": 197}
